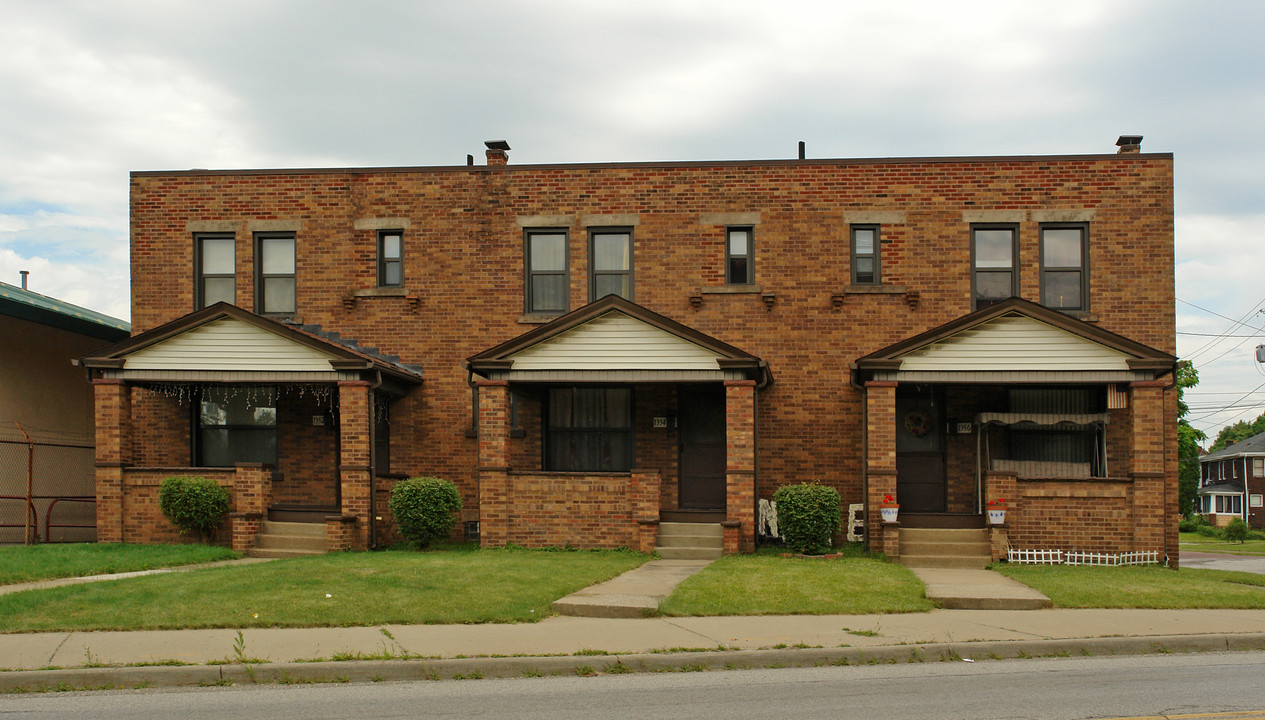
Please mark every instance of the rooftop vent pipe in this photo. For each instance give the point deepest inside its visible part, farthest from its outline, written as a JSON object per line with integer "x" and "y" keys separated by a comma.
{"x": 24, "y": 274}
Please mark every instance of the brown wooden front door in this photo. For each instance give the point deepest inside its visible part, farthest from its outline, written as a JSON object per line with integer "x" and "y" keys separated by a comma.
{"x": 701, "y": 431}
{"x": 920, "y": 478}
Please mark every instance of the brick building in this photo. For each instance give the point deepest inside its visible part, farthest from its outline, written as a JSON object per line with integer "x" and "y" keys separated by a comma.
{"x": 1232, "y": 482}
{"x": 587, "y": 350}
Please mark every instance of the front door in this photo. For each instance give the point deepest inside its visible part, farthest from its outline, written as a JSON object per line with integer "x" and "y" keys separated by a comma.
{"x": 920, "y": 451}
{"x": 702, "y": 438}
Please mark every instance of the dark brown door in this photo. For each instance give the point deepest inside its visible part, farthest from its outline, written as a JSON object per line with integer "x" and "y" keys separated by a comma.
{"x": 702, "y": 436}
{"x": 920, "y": 452}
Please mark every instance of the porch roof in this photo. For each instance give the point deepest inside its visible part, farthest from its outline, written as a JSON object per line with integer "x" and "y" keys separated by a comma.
{"x": 616, "y": 340}
{"x": 224, "y": 343}
{"x": 1225, "y": 488}
{"x": 1017, "y": 340}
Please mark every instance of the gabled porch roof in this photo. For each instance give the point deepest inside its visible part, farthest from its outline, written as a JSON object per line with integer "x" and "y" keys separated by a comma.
{"x": 616, "y": 340}
{"x": 1015, "y": 341}
{"x": 224, "y": 343}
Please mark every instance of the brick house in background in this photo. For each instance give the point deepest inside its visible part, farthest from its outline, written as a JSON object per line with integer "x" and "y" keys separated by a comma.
{"x": 1232, "y": 482}
{"x": 590, "y": 350}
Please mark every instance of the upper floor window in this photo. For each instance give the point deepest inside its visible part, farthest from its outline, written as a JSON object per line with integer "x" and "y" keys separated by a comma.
{"x": 739, "y": 255}
{"x": 546, "y": 264}
{"x": 216, "y": 270}
{"x": 1064, "y": 260}
{"x": 390, "y": 258}
{"x": 1258, "y": 467}
{"x": 993, "y": 273}
{"x": 865, "y": 255}
{"x": 610, "y": 263}
{"x": 274, "y": 273}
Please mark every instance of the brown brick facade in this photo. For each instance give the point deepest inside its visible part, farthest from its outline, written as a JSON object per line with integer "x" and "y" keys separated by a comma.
{"x": 463, "y": 292}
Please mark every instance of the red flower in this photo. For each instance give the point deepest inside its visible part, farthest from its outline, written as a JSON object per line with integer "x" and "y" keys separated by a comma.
{"x": 998, "y": 501}
{"x": 888, "y": 499}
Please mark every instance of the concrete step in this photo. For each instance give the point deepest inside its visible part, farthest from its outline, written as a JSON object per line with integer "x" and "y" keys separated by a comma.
{"x": 259, "y": 552}
{"x": 673, "y": 529}
{"x": 290, "y": 542}
{"x": 689, "y": 553}
{"x": 943, "y": 535}
{"x": 945, "y": 561}
{"x": 707, "y": 541}
{"x": 945, "y": 548}
{"x": 273, "y": 527}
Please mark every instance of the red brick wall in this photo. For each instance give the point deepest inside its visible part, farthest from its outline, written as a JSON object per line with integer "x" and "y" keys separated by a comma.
{"x": 464, "y": 264}
{"x": 1089, "y": 515}
{"x": 307, "y": 454}
{"x": 579, "y": 509}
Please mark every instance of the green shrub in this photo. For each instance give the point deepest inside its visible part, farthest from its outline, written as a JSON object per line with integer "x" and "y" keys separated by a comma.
{"x": 425, "y": 508}
{"x": 1208, "y": 531}
{"x": 808, "y": 516}
{"x": 193, "y": 504}
{"x": 1193, "y": 523}
{"x": 1236, "y": 531}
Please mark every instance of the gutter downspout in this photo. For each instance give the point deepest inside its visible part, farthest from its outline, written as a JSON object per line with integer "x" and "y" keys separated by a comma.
{"x": 865, "y": 449}
{"x": 373, "y": 459}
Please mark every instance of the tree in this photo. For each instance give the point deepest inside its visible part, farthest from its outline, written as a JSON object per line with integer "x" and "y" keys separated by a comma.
{"x": 1240, "y": 430}
{"x": 1188, "y": 439}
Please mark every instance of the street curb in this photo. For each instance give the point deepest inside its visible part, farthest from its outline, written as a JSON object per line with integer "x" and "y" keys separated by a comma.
{"x": 533, "y": 666}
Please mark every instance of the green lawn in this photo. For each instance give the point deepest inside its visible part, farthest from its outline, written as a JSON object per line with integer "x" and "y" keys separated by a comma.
{"x": 1144, "y": 586}
{"x": 27, "y": 563}
{"x": 1201, "y": 543}
{"x": 453, "y": 585}
{"x": 767, "y": 584}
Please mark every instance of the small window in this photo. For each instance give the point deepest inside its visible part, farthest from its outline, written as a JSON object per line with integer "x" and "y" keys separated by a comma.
{"x": 993, "y": 253}
{"x": 546, "y": 265}
{"x": 390, "y": 258}
{"x": 739, "y": 253}
{"x": 275, "y": 278}
{"x": 236, "y": 423}
{"x": 610, "y": 263}
{"x": 1064, "y": 259}
{"x": 1256, "y": 500}
{"x": 865, "y": 255}
{"x": 216, "y": 270}
{"x": 589, "y": 429}
{"x": 1258, "y": 467}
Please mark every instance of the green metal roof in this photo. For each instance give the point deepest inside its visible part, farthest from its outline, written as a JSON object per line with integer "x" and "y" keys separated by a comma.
{"x": 32, "y": 306}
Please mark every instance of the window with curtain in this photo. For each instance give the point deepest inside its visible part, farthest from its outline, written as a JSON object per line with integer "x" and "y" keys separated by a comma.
{"x": 589, "y": 429}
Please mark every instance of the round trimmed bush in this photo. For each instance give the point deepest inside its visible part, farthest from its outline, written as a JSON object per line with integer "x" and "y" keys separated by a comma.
{"x": 193, "y": 503}
{"x": 1236, "y": 531}
{"x": 425, "y": 508}
{"x": 808, "y": 517}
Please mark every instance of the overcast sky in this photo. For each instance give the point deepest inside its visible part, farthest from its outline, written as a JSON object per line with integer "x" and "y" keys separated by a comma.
{"x": 92, "y": 90}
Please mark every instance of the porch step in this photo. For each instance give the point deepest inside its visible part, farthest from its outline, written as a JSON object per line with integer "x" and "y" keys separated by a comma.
{"x": 288, "y": 539}
{"x": 944, "y": 547}
{"x": 690, "y": 541}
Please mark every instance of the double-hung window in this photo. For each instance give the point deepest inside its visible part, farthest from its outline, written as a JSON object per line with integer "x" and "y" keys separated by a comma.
{"x": 994, "y": 276}
{"x": 390, "y": 258}
{"x": 275, "y": 288}
{"x": 589, "y": 429}
{"x": 739, "y": 255}
{"x": 1064, "y": 263}
{"x": 216, "y": 270}
{"x": 865, "y": 255}
{"x": 610, "y": 263}
{"x": 237, "y": 423}
{"x": 546, "y": 264}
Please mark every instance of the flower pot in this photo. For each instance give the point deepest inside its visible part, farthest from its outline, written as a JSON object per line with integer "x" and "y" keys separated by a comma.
{"x": 996, "y": 516}
{"x": 889, "y": 512}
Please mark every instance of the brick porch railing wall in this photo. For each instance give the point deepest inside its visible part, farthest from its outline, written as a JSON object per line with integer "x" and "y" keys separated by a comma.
{"x": 740, "y": 505}
{"x": 880, "y": 465}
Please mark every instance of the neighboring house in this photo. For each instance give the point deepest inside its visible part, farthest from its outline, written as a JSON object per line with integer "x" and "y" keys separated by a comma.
{"x": 588, "y": 350}
{"x": 1232, "y": 482}
{"x": 46, "y": 414}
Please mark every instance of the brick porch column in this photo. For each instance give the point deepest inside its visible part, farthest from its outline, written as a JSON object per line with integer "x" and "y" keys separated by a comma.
{"x": 494, "y": 462}
{"x": 113, "y": 400}
{"x": 880, "y": 464}
{"x": 355, "y": 418}
{"x": 740, "y": 505}
{"x": 1148, "y": 436}
{"x": 252, "y": 492}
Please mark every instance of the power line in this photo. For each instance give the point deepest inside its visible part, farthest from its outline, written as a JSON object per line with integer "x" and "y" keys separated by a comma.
{"x": 1217, "y": 338}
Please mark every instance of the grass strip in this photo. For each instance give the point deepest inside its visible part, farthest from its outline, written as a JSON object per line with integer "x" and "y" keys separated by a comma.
{"x": 1141, "y": 586}
{"x": 767, "y": 584}
{"x": 1203, "y": 543}
{"x": 29, "y": 563}
{"x": 460, "y": 585}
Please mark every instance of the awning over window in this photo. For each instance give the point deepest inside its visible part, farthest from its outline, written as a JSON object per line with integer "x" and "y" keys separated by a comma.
{"x": 1042, "y": 419}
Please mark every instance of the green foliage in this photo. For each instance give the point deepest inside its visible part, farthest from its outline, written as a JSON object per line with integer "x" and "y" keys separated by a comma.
{"x": 425, "y": 508}
{"x": 193, "y": 504}
{"x": 1240, "y": 430}
{"x": 1193, "y": 523}
{"x": 808, "y": 517}
{"x": 1236, "y": 531}
{"x": 1188, "y": 439}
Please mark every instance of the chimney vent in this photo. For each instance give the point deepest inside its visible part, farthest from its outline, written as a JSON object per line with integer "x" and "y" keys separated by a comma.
{"x": 801, "y": 149}
{"x": 1129, "y": 144}
{"x": 24, "y": 274}
{"x": 498, "y": 152}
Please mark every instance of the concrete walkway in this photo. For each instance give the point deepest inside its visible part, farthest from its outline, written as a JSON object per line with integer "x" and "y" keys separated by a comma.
{"x": 959, "y": 589}
{"x": 637, "y": 593}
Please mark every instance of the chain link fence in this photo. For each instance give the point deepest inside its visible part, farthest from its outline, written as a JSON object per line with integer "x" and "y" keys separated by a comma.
{"x": 47, "y": 486}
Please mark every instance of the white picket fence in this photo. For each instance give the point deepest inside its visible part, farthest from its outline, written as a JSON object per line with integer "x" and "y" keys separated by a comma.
{"x": 1026, "y": 556}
